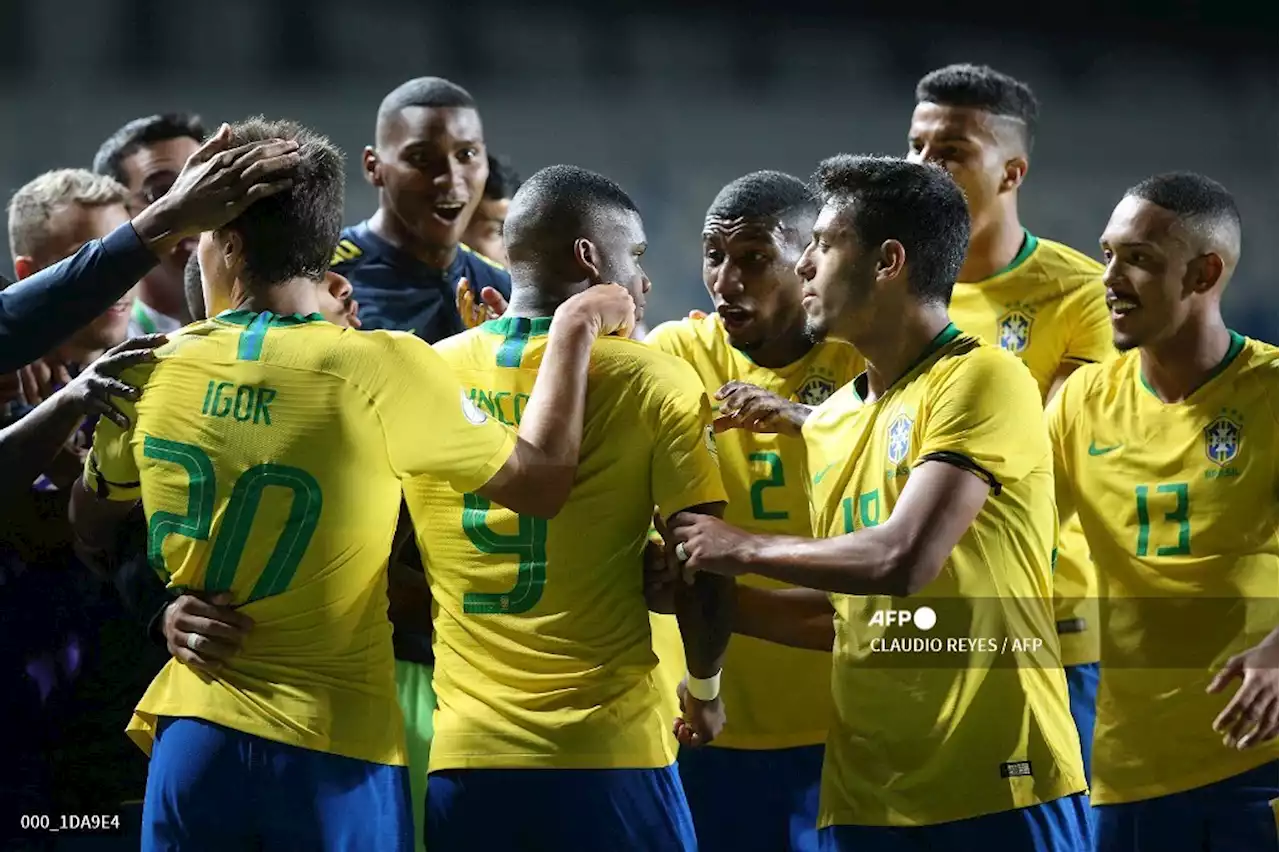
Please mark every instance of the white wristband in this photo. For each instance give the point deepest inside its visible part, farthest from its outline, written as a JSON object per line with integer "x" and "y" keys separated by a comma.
{"x": 704, "y": 689}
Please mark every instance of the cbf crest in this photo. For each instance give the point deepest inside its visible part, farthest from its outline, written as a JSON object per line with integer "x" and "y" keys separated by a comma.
{"x": 1222, "y": 438}
{"x": 899, "y": 438}
{"x": 1014, "y": 330}
{"x": 816, "y": 389}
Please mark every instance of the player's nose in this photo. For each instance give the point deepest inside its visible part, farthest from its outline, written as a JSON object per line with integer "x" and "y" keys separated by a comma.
{"x": 727, "y": 281}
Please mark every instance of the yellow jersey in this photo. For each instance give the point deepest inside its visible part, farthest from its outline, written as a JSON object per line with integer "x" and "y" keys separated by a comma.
{"x": 1178, "y": 502}
{"x": 544, "y": 656}
{"x": 269, "y": 452}
{"x": 1049, "y": 307}
{"x": 775, "y": 697}
{"x": 967, "y": 714}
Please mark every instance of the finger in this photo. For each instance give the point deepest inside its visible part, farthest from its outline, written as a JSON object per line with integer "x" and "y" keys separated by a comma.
{"x": 494, "y": 301}
{"x": 215, "y": 144}
{"x": 60, "y": 375}
{"x": 697, "y": 315}
{"x": 106, "y": 386}
{"x": 257, "y": 192}
{"x": 146, "y": 342}
{"x": 104, "y": 408}
{"x": 1234, "y": 667}
{"x": 1259, "y": 722}
{"x": 268, "y": 163}
{"x": 220, "y": 612}
{"x": 726, "y": 423}
{"x": 190, "y": 658}
{"x": 29, "y": 390}
{"x": 231, "y": 164}
{"x": 212, "y": 629}
{"x": 1267, "y": 728}
{"x": 1230, "y": 715}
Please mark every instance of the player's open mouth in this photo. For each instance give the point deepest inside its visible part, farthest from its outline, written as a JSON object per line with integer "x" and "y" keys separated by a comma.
{"x": 1121, "y": 306}
{"x": 448, "y": 210}
{"x": 733, "y": 317}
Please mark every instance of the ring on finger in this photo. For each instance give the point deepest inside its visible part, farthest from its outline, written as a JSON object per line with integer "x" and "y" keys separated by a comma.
{"x": 193, "y": 641}
{"x": 681, "y": 553}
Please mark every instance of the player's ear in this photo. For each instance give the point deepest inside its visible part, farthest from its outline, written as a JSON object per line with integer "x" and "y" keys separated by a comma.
{"x": 892, "y": 260}
{"x": 587, "y": 259}
{"x": 24, "y": 266}
{"x": 369, "y": 160}
{"x": 1015, "y": 172}
{"x": 1203, "y": 273}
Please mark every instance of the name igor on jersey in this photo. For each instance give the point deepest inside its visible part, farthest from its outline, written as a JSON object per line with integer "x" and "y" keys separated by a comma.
{"x": 544, "y": 656}
{"x": 1049, "y": 308}
{"x": 269, "y": 452}
{"x": 942, "y": 722}
{"x": 777, "y": 697}
{"x": 1178, "y": 502}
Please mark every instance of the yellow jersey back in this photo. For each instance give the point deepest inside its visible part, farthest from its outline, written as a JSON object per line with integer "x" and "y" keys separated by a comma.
{"x": 1178, "y": 502}
{"x": 544, "y": 656}
{"x": 976, "y": 692}
{"x": 268, "y": 452}
{"x": 1049, "y": 308}
{"x": 775, "y": 697}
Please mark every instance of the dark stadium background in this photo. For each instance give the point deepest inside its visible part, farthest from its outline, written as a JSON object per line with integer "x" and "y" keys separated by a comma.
{"x": 673, "y": 99}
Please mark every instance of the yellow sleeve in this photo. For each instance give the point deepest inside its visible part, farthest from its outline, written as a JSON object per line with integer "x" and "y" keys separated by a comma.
{"x": 1058, "y": 419}
{"x": 685, "y": 470}
{"x": 430, "y": 424}
{"x": 986, "y": 415}
{"x": 1090, "y": 340}
{"x": 666, "y": 338}
{"x": 110, "y": 470}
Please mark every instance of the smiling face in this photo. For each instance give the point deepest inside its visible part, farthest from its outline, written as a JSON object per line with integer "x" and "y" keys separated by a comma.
{"x": 1153, "y": 273}
{"x": 430, "y": 166}
{"x": 749, "y": 269}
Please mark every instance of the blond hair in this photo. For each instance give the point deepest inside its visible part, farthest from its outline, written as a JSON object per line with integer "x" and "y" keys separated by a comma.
{"x": 33, "y": 206}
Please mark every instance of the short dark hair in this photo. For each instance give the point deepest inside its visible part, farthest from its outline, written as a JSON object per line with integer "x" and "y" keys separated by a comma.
{"x": 985, "y": 88}
{"x": 766, "y": 195}
{"x": 1190, "y": 196}
{"x": 193, "y": 289}
{"x": 503, "y": 180}
{"x": 292, "y": 234}
{"x": 555, "y": 204}
{"x": 424, "y": 92}
{"x": 144, "y": 131}
{"x": 917, "y": 204}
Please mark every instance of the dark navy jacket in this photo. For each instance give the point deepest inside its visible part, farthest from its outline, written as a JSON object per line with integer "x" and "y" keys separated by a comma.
{"x": 399, "y": 292}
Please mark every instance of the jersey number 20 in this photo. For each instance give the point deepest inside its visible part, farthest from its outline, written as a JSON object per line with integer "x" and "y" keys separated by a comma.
{"x": 246, "y": 494}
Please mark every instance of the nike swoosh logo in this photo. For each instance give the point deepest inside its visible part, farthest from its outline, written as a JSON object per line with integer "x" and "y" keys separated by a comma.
{"x": 1095, "y": 450}
{"x": 822, "y": 473}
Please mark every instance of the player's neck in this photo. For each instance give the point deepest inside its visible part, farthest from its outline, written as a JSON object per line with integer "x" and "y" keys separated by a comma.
{"x": 297, "y": 296}
{"x": 532, "y": 301}
{"x": 1174, "y": 368}
{"x": 392, "y": 230}
{"x": 993, "y": 245}
{"x": 783, "y": 350}
{"x": 893, "y": 349}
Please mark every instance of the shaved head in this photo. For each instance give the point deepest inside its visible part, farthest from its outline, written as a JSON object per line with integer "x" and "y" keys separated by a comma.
{"x": 1208, "y": 220}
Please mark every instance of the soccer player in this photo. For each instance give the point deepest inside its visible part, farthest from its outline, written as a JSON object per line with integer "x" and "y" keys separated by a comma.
{"x": 1038, "y": 299}
{"x": 548, "y": 700}
{"x": 428, "y": 163}
{"x": 1168, "y": 455}
{"x": 146, "y": 156}
{"x": 484, "y": 231}
{"x": 268, "y": 450}
{"x": 931, "y": 475}
{"x": 756, "y": 787}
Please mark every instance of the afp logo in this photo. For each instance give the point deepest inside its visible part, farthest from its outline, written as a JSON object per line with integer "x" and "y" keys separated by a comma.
{"x": 924, "y": 618}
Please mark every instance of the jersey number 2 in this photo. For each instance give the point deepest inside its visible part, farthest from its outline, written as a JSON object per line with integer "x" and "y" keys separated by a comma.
{"x": 246, "y": 494}
{"x": 528, "y": 545}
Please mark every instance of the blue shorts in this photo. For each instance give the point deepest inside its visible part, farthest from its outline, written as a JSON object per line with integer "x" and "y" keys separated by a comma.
{"x": 1233, "y": 815}
{"x": 1082, "y": 690}
{"x": 557, "y": 810}
{"x": 213, "y": 788}
{"x": 747, "y": 800}
{"x": 1058, "y": 826}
